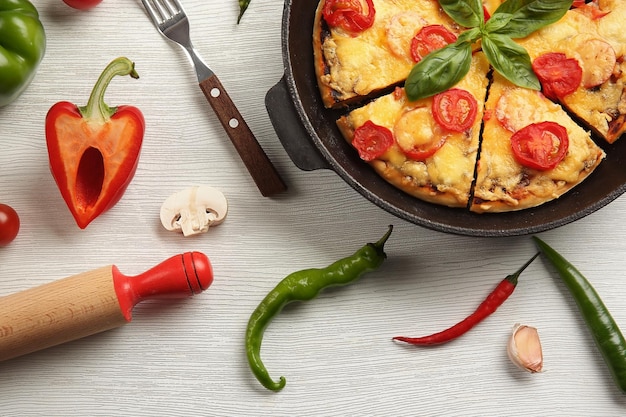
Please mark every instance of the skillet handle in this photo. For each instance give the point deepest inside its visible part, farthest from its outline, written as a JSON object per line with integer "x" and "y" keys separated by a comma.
{"x": 290, "y": 131}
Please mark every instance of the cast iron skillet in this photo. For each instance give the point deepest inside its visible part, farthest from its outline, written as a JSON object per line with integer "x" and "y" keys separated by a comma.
{"x": 308, "y": 133}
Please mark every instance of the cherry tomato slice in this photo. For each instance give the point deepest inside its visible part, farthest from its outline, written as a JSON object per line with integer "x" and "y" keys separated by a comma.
{"x": 558, "y": 74}
{"x": 541, "y": 145}
{"x": 349, "y": 14}
{"x": 9, "y": 224}
{"x": 429, "y": 39}
{"x": 486, "y": 13}
{"x": 372, "y": 140}
{"x": 455, "y": 109}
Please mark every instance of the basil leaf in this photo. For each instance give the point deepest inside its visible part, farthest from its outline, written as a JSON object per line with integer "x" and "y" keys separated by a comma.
{"x": 529, "y": 15}
{"x": 497, "y": 22}
{"x": 471, "y": 35}
{"x": 468, "y": 13}
{"x": 510, "y": 60}
{"x": 439, "y": 70}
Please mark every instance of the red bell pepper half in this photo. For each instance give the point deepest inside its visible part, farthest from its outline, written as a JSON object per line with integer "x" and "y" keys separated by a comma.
{"x": 94, "y": 149}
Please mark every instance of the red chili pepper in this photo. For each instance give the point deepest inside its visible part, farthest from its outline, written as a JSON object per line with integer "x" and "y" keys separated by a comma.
{"x": 94, "y": 150}
{"x": 494, "y": 300}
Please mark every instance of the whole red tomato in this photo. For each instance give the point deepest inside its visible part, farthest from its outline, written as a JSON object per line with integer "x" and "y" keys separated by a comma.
{"x": 9, "y": 224}
{"x": 82, "y": 4}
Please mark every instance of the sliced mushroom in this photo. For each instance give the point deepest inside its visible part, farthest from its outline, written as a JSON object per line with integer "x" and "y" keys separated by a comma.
{"x": 194, "y": 209}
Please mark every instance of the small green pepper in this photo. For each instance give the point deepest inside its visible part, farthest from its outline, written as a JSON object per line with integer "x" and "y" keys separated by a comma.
{"x": 22, "y": 47}
{"x": 604, "y": 330}
{"x": 303, "y": 286}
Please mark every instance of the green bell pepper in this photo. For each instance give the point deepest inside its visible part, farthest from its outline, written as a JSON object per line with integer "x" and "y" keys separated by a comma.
{"x": 22, "y": 47}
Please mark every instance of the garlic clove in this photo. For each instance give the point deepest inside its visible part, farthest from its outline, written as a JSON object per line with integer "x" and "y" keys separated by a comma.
{"x": 524, "y": 348}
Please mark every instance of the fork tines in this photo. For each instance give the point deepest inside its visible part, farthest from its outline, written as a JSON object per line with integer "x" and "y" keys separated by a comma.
{"x": 162, "y": 10}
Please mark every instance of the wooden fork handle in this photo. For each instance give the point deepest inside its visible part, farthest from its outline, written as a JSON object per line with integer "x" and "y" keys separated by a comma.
{"x": 254, "y": 158}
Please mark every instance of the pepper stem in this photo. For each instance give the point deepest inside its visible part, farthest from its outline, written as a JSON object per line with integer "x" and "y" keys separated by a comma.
{"x": 96, "y": 109}
{"x": 382, "y": 240}
{"x": 514, "y": 276}
{"x": 379, "y": 246}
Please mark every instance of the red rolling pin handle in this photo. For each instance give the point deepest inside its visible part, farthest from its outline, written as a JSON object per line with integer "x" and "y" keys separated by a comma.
{"x": 180, "y": 276}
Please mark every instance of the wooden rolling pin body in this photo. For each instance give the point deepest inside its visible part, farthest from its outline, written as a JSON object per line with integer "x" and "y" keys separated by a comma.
{"x": 92, "y": 302}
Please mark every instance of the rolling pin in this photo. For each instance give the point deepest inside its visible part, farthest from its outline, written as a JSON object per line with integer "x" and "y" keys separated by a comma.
{"x": 92, "y": 302}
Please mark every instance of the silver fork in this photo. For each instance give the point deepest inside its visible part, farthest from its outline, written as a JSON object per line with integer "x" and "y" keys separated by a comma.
{"x": 172, "y": 22}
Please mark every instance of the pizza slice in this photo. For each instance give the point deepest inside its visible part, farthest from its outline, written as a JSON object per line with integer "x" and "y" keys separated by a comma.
{"x": 531, "y": 151}
{"x": 362, "y": 47}
{"x": 426, "y": 148}
{"x": 580, "y": 63}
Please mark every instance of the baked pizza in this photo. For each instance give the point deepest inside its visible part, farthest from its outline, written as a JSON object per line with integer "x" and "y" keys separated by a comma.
{"x": 485, "y": 142}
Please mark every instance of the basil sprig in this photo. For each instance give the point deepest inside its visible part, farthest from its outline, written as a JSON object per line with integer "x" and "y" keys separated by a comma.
{"x": 443, "y": 68}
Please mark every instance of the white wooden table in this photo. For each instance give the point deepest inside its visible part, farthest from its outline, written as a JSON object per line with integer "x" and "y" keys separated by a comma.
{"x": 187, "y": 358}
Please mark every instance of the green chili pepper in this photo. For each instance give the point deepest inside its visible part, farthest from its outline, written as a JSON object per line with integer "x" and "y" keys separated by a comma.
{"x": 604, "y": 330}
{"x": 302, "y": 286}
{"x": 243, "y": 6}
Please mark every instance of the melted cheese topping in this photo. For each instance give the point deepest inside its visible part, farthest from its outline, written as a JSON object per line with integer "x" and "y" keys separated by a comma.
{"x": 379, "y": 56}
{"x": 611, "y": 26}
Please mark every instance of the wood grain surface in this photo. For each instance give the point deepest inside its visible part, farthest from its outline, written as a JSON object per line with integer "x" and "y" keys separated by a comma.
{"x": 187, "y": 357}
